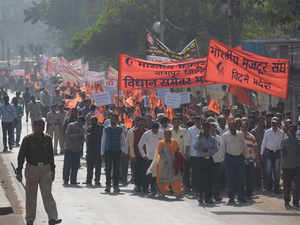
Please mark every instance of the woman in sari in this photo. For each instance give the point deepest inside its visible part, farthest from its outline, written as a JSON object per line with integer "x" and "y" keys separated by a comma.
{"x": 169, "y": 165}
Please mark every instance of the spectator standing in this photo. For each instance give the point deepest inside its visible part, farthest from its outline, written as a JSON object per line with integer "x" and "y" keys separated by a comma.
{"x": 147, "y": 146}
{"x": 291, "y": 167}
{"x": 74, "y": 139}
{"x": 18, "y": 122}
{"x": 270, "y": 150}
{"x": 113, "y": 141}
{"x": 234, "y": 146}
{"x": 8, "y": 116}
{"x": 93, "y": 153}
{"x": 206, "y": 145}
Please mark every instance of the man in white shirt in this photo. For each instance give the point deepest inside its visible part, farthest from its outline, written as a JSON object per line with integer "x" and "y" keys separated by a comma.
{"x": 147, "y": 146}
{"x": 270, "y": 150}
{"x": 179, "y": 134}
{"x": 191, "y": 153}
{"x": 234, "y": 146}
{"x": 218, "y": 159}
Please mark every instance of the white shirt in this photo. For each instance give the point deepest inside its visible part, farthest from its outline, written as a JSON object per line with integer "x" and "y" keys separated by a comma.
{"x": 150, "y": 140}
{"x": 179, "y": 136}
{"x": 233, "y": 144}
{"x": 272, "y": 140}
{"x": 127, "y": 140}
{"x": 219, "y": 155}
{"x": 190, "y": 140}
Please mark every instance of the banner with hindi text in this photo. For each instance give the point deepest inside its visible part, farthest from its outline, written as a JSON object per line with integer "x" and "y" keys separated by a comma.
{"x": 137, "y": 73}
{"x": 244, "y": 69}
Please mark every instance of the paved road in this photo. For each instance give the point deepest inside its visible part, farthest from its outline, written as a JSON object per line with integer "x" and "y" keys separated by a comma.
{"x": 92, "y": 206}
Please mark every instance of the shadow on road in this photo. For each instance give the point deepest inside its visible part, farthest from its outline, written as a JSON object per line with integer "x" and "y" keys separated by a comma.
{"x": 227, "y": 213}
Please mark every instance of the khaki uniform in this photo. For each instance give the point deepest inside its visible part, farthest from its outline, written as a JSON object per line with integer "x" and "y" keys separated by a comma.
{"x": 38, "y": 152}
{"x": 39, "y": 176}
{"x": 51, "y": 121}
{"x": 35, "y": 111}
{"x": 59, "y": 131}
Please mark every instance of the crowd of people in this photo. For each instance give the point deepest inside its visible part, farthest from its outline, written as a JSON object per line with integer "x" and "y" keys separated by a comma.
{"x": 200, "y": 155}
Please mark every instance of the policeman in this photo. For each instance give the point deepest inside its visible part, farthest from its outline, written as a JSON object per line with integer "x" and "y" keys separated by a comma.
{"x": 51, "y": 120}
{"x": 58, "y": 131}
{"x": 35, "y": 110}
{"x": 37, "y": 149}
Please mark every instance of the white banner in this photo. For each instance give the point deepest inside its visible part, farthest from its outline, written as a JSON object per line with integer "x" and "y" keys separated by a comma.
{"x": 95, "y": 76}
{"x": 162, "y": 92}
{"x": 102, "y": 98}
{"x": 185, "y": 97}
{"x": 173, "y": 100}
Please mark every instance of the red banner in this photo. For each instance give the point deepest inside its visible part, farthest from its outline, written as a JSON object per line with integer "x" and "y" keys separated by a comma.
{"x": 137, "y": 73}
{"x": 241, "y": 68}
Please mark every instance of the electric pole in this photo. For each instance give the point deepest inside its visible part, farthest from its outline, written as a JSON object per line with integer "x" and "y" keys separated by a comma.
{"x": 162, "y": 20}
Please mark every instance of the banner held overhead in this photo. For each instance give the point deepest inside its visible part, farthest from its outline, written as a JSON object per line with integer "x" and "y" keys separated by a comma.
{"x": 137, "y": 73}
{"x": 241, "y": 68}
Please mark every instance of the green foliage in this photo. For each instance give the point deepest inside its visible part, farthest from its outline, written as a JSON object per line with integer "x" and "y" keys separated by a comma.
{"x": 120, "y": 25}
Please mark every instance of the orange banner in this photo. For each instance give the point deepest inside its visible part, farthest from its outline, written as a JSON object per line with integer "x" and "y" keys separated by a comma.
{"x": 214, "y": 106}
{"x": 241, "y": 68}
{"x": 137, "y": 73}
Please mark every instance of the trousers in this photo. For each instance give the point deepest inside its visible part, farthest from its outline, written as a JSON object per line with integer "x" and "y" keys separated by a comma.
{"x": 112, "y": 159}
{"x": 272, "y": 169}
{"x": 93, "y": 163}
{"x": 18, "y": 128}
{"x": 71, "y": 166}
{"x": 205, "y": 176}
{"x": 290, "y": 175}
{"x": 39, "y": 176}
{"x": 7, "y": 131}
{"x": 235, "y": 174}
{"x": 58, "y": 137}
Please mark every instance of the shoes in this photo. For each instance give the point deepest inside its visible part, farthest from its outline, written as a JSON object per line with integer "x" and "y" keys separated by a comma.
{"x": 152, "y": 194}
{"x": 178, "y": 197}
{"x": 5, "y": 149}
{"x": 231, "y": 202}
{"x": 218, "y": 199}
{"x": 66, "y": 182}
{"x": 209, "y": 202}
{"x": 242, "y": 200}
{"x": 296, "y": 205}
{"x": 29, "y": 223}
{"x": 200, "y": 202}
{"x": 287, "y": 206}
{"x": 53, "y": 221}
{"x": 10, "y": 147}
{"x": 98, "y": 184}
{"x": 116, "y": 189}
{"x": 137, "y": 189}
{"x": 107, "y": 190}
{"x": 17, "y": 145}
{"x": 162, "y": 196}
{"x": 145, "y": 191}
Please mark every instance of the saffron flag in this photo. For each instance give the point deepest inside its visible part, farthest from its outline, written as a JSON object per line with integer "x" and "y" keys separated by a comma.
{"x": 214, "y": 106}
{"x": 244, "y": 69}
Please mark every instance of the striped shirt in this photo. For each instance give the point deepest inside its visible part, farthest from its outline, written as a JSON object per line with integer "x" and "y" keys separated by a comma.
{"x": 250, "y": 153}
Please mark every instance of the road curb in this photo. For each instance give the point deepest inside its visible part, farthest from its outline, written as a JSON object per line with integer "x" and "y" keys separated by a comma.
{"x": 5, "y": 206}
